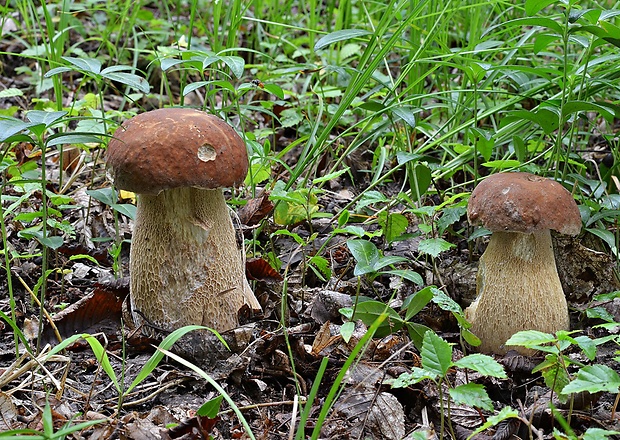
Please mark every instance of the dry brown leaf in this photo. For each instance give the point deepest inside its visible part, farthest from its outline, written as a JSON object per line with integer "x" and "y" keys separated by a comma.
{"x": 260, "y": 269}
{"x": 8, "y": 413}
{"x": 255, "y": 210}
{"x": 324, "y": 339}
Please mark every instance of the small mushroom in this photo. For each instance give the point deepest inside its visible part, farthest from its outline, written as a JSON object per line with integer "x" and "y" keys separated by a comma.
{"x": 518, "y": 287}
{"x": 185, "y": 264}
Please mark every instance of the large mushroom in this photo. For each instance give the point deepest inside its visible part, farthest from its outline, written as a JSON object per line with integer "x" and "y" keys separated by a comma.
{"x": 517, "y": 283}
{"x": 186, "y": 266}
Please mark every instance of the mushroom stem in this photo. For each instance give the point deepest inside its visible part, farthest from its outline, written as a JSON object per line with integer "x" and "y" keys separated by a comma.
{"x": 518, "y": 289}
{"x": 185, "y": 265}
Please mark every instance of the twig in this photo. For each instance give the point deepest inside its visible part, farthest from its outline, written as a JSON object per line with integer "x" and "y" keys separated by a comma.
{"x": 47, "y": 315}
{"x": 263, "y": 405}
{"x": 159, "y": 390}
{"x": 10, "y": 374}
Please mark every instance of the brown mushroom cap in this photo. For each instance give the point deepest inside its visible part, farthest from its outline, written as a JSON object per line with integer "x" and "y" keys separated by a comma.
{"x": 176, "y": 147}
{"x": 523, "y": 202}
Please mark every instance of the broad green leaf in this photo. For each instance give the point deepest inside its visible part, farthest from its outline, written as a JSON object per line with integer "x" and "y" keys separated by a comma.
{"x": 84, "y": 257}
{"x": 594, "y": 378}
{"x": 546, "y": 118}
{"x": 290, "y": 117}
{"x": 605, "y": 31}
{"x": 451, "y": 215}
{"x": 322, "y": 264}
{"x": 471, "y": 394}
{"x": 420, "y": 179}
{"x": 358, "y": 231}
{"x": 275, "y": 90}
{"x": 330, "y": 176}
{"x": 194, "y": 86}
{"x": 341, "y": 35}
{"x": 584, "y": 106}
{"x": 117, "y": 68}
{"x": 475, "y": 72}
{"x": 72, "y": 138}
{"x": 286, "y": 213}
{"x": 470, "y": 338}
{"x": 483, "y": 364}
{"x": 211, "y": 408}
{"x": 542, "y": 41}
{"x": 208, "y": 60}
{"x": 436, "y": 354}
{"x": 300, "y": 241}
{"x": 417, "y": 375}
{"x": 445, "y": 302}
{"x": 613, "y": 33}
{"x": 127, "y": 209}
{"x": 413, "y": 304}
{"x": 167, "y": 63}
{"x": 370, "y": 311}
{"x": 556, "y": 378}
{"x": 235, "y": 64}
{"x": 393, "y": 224}
{"x": 372, "y": 105}
{"x": 519, "y": 147}
{"x": 407, "y": 274}
{"x": 598, "y": 434}
{"x": 90, "y": 65}
{"x": 11, "y": 92}
{"x": 506, "y": 413}
{"x": 416, "y": 333}
{"x": 346, "y": 331}
{"x": 43, "y": 117}
{"x": 553, "y": 372}
{"x": 406, "y": 114}
{"x": 535, "y": 6}
{"x": 530, "y": 338}
{"x": 610, "y": 296}
{"x": 387, "y": 260}
{"x": 434, "y": 246}
{"x": 105, "y": 195}
{"x": 404, "y": 156}
{"x": 52, "y": 242}
{"x": 347, "y": 312}
{"x": 501, "y": 164}
{"x": 10, "y": 127}
{"x": 365, "y": 253}
{"x": 587, "y": 345}
{"x": 371, "y": 197}
{"x": 129, "y": 79}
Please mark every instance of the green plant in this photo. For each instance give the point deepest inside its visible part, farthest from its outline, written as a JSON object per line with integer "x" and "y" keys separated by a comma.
{"x": 437, "y": 362}
{"x": 368, "y": 311}
{"x": 555, "y": 368}
{"x": 39, "y": 130}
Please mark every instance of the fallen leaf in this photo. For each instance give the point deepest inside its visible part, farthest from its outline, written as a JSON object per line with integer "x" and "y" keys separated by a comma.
{"x": 8, "y": 412}
{"x": 260, "y": 269}
{"x": 255, "y": 209}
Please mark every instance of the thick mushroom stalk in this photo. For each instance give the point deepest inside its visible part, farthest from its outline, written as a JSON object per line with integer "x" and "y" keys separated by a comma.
{"x": 186, "y": 267}
{"x": 515, "y": 272}
{"x": 517, "y": 283}
{"x": 185, "y": 264}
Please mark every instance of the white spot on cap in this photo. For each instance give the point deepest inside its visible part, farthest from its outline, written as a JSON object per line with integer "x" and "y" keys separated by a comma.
{"x": 206, "y": 153}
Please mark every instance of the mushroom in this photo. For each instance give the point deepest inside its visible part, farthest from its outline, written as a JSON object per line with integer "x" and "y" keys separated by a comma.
{"x": 185, "y": 264}
{"x": 518, "y": 287}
